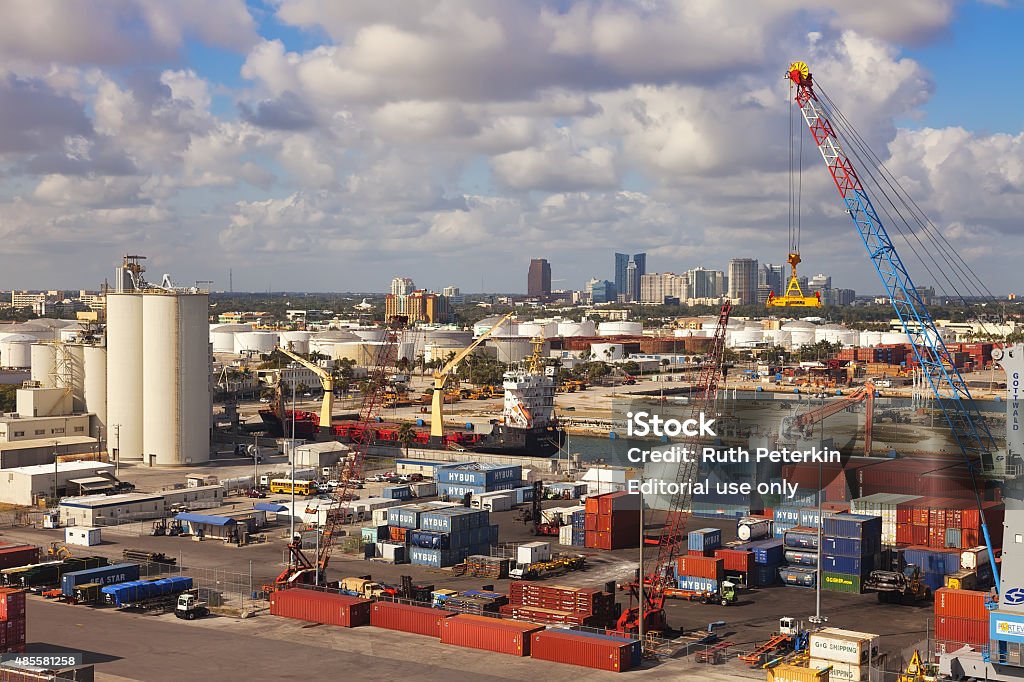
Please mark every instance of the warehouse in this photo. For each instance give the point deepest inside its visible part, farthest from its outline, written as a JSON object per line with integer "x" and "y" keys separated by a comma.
{"x": 23, "y": 453}
{"x": 320, "y": 455}
{"x": 100, "y": 510}
{"x": 26, "y": 485}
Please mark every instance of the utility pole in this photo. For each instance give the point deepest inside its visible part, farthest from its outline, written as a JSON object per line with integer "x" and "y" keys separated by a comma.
{"x": 117, "y": 449}
{"x": 55, "y": 444}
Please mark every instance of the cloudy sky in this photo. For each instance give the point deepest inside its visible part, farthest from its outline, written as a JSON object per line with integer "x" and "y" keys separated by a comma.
{"x": 328, "y": 146}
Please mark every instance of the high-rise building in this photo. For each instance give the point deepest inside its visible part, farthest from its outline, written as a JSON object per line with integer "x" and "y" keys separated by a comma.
{"x": 454, "y": 295}
{"x": 628, "y": 271}
{"x": 743, "y": 280}
{"x": 774, "y": 277}
{"x": 843, "y": 296}
{"x": 819, "y": 283}
{"x": 538, "y": 280}
{"x": 402, "y": 286}
{"x": 419, "y": 306}
{"x": 602, "y": 291}
{"x": 705, "y": 283}
{"x": 658, "y": 286}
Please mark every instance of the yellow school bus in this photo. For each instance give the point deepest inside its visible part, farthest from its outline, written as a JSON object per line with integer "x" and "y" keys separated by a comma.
{"x": 284, "y": 485}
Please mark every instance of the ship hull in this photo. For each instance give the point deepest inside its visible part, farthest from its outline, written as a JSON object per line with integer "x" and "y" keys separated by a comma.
{"x": 503, "y": 440}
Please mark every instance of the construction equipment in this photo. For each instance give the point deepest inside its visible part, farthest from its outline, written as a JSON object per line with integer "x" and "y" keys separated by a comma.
{"x": 557, "y": 565}
{"x": 794, "y": 296}
{"x": 189, "y": 607}
{"x": 758, "y": 656}
{"x": 535, "y": 516}
{"x": 803, "y": 424}
{"x": 725, "y": 596}
{"x": 326, "y": 382}
{"x": 895, "y": 587}
{"x": 364, "y": 587}
{"x": 949, "y": 389}
{"x": 58, "y": 550}
{"x": 660, "y": 567}
{"x": 918, "y": 671}
{"x": 301, "y": 569}
{"x": 441, "y": 379}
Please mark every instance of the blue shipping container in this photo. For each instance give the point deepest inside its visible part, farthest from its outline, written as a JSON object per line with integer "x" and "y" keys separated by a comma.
{"x": 809, "y": 517}
{"x": 696, "y": 584}
{"x": 851, "y": 546}
{"x": 767, "y": 552}
{"x": 437, "y": 558}
{"x": 934, "y": 580}
{"x": 106, "y": 575}
{"x": 853, "y": 526}
{"x": 136, "y": 591}
{"x": 407, "y": 517}
{"x": 940, "y": 562}
{"x": 801, "y": 558}
{"x": 851, "y": 565}
{"x": 453, "y": 520}
{"x": 763, "y": 576}
{"x": 396, "y": 492}
{"x": 579, "y": 537}
{"x": 798, "y": 577}
{"x": 801, "y": 539}
{"x": 579, "y": 519}
{"x": 787, "y": 515}
{"x": 483, "y": 475}
{"x": 704, "y": 539}
{"x": 953, "y": 538}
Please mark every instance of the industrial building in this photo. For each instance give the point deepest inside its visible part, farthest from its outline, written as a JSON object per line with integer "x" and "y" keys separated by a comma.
{"x": 26, "y": 485}
{"x": 99, "y": 510}
{"x": 320, "y": 455}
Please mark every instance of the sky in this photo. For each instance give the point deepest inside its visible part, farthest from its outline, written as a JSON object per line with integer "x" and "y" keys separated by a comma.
{"x": 316, "y": 145}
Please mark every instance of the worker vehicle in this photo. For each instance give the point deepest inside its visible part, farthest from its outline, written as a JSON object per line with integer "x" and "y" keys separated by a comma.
{"x": 557, "y": 565}
{"x": 189, "y": 607}
{"x": 919, "y": 671}
{"x": 534, "y": 517}
{"x": 285, "y": 486}
{"x": 364, "y": 587}
{"x": 898, "y": 587}
{"x": 725, "y": 596}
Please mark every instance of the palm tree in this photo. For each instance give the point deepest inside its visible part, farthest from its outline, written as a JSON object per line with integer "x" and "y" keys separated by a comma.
{"x": 406, "y": 435}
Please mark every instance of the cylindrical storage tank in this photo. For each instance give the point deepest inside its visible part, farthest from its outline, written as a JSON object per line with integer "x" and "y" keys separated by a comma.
{"x": 620, "y": 328}
{"x": 75, "y": 358}
{"x": 585, "y": 328}
{"x": 371, "y": 335}
{"x": 70, "y": 333}
{"x": 37, "y": 331}
{"x": 95, "y": 389}
{"x": 16, "y": 350}
{"x": 848, "y": 337}
{"x": 749, "y": 530}
{"x": 529, "y": 329}
{"x": 607, "y": 351}
{"x": 800, "y": 335}
{"x": 296, "y": 342}
{"x": 255, "y": 342}
{"x": 890, "y": 338}
{"x": 222, "y": 336}
{"x": 453, "y": 337}
{"x": 124, "y": 375}
{"x": 507, "y": 328}
{"x": 869, "y": 339}
{"x": 176, "y": 379}
{"x": 44, "y": 364}
{"x": 407, "y": 350}
{"x": 514, "y": 350}
{"x": 744, "y": 337}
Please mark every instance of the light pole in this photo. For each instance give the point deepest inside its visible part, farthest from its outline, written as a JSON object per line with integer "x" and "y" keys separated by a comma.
{"x": 55, "y": 444}
{"x": 117, "y": 449}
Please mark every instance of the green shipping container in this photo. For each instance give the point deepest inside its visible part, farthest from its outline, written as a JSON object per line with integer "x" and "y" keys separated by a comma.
{"x": 841, "y": 582}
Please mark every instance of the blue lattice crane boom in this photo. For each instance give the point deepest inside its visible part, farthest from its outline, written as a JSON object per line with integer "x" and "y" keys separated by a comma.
{"x": 951, "y": 395}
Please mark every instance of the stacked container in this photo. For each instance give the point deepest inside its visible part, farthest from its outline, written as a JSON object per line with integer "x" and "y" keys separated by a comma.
{"x": 442, "y": 537}
{"x": 12, "y": 620}
{"x": 946, "y": 523}
{"x": 960, "y": 618}
{"x": 612, "y": 521}
{"x": 935, "y": 564}
{"x": 848, "y": 653}
{"x": 475, "y": 478}
{"x": 699, "y": 573}
{"x": 851, "y": 549}
{"x": 17, "y": 555}
{"x": 558, "y": 605}
{"x": 884, "y": 505}
{"x": 704, "y": 541}
{"x": 768, "y": 556}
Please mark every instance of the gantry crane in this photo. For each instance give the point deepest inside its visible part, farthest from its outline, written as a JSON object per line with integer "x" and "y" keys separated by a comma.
{"x": 301, "y": 569}
{"x": 657, "y": 576}
{"x": 326, "y": 381}
{"x": 803, "y": 423}
{"x": 951, "y": 394}
{"x": 442, "y": 375}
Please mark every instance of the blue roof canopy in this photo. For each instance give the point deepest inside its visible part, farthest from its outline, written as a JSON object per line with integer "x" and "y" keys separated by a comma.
{"x": 203, "y": 518}
{"x": 269, "y": 507}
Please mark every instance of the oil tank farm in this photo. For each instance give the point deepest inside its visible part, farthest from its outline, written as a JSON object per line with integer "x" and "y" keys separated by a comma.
{"x": 158, "y": 369}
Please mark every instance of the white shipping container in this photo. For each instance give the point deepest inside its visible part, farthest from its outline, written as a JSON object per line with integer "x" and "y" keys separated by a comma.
{"x": 426, "y": 489}
{"x": 393, "y": 552}
{"x": 533, "y": 552}
{"x": 565, "y": 535}
{"x": 973, "y": 558}
{"x": 380, "y": 517}
{"x": 845, "y": 646}
{"x": 842, "y": 671}
{"x": 83, "y": 536}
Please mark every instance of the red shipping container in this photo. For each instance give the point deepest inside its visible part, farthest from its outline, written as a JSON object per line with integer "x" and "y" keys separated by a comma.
{"x": 904, "y": 534}
{"x": 489, "y": 634}
{"x": 590, "y": 539}
{"x": 702, "y": 552}
{"x": 969, "y": 604}
{"x": 565, "y": 646}
{"x": 736, "y": 559}
{"x": 590, "y": 521}
{"x": 12, "y": 603}
{"x": 12, "y": 556}
{"x": 961, "y": 630}
{"x": 618, "y": 501}
{"x": 397, "y": 534}
{"x": 419, "y": 620}
{"x": 700, "y": 567}
{"x": 919, "y": 535}
{"x": 591, "y": 505}
{"x": 903, "y": 514}
{"x": 321, "y": 607}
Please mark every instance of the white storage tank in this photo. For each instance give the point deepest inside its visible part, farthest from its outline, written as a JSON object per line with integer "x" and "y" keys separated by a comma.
{"x": 16, "y": 350}
{"x": 255, "y": 342}
{"x": 296, "y": 342}
{"x": 749, "y": 529}
{"x": 607, "y": 352}
{"x": 222, "y": 336}
{"x": 620, "y": 328}
{"x": 176, "y": 379}
{"x": 890, "y": 338}
{"x": 800, "y": 333}
{"x": 529, "y": 329}
{"x": 95, "y": 388}
{"x": 373, "y": 335}
{"x": 744, "y": 337}
{"x": 124, "y": 374}
{"x": 848, "y": 337}
{"x": 870, "y": 339}
{"x": 515, "y": 350}
{"x": 36, "y": 329}
{"x": 507, "y": 328}
{"x": 584, "y": 328}
{"x": 454, "y": 337}
{"x": 44, "y": 364}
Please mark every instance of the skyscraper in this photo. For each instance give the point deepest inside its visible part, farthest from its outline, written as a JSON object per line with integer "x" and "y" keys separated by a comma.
{"x": 703, "y": 283}
{"x": 402, "y": 286}
{"x": 538, "y": 281}
{"x": 773, "y": 276}
{"x": 743, "y": 280}
{"x": 628, "y": 271}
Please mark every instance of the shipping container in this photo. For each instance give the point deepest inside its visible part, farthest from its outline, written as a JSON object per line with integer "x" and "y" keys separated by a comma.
{"x": 852, "y": 526}
{"x": 763, "y": 576}
{"x": 968, "y": 604}
{"x": 841, "y": 672}
{"x": 326, "y": 608}
{"x": 617, "y": 501}
{"x": 845, "y": 646}
{"x": 851, "y": 546}
{"x": 938, "y": 561}
{"x": 801, "y": 538}
{"x": 488, "y": 476}
{"x": 766, "y": 552}
{"x": 407, "y": 516}
{"x": 841, "y": 582}
{"x": 963, "y": 630}
{"x": 18, "y": 555}
{"x": 854, "y": 565}
{"x": 704, "y": 539}
{"x": 489, "y": 634}
{"x": 105, "y": 575}
{"x": 801, "y": 558}
{"x": 695, "y": 583}
{"x": 974, "y": 557}
{"x": 741, "y": 560}
{"x": 700, "y": 567}
{"x": 12, "y": 604}
{"x": 612, "y": 654}
{"x": 418, "y": 620}
{"x": 797, "y": 576}
{"x": 785, "y": 672}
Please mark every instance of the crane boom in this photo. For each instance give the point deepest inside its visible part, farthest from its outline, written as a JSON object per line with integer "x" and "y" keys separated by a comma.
{"x": 865, "y": 393}
{"x": 441, "y": 378}
{"x": 326, "y": 382}
{"x": 948, "y": 387}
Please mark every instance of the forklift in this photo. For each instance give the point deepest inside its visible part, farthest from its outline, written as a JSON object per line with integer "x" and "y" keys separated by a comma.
{"x": 898, "y": 587}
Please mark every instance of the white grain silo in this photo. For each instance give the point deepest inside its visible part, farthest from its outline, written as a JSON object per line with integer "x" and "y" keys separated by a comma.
{"x": 16, "y": 350}
{"x": 620, "y": 328}
{"x": 176, "y": 378}
{"x": 296, "y": 342}
{"x": 95, "y": 390}
{"x": 71, "y": 370}
{"x": 44, "y": 364}
{"x": 124, "y": 374}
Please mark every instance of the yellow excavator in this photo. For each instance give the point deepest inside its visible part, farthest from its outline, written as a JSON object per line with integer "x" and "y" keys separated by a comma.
{"x": 441, "y": 378}
{"x": 326, "y": 381}
{"x": 918, "y": 671}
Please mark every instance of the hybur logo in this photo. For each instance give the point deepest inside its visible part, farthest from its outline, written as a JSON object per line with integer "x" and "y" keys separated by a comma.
{"x": 1014, "y": 596}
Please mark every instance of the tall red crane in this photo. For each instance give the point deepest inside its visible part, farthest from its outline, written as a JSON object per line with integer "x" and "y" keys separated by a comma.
{"x": 301, "y": 569}
{"x": 659, "y": 570}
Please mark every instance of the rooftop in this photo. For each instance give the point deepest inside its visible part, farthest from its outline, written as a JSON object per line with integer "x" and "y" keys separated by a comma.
{"x": 41, "y": 469}
{"x": 94, "y": 501}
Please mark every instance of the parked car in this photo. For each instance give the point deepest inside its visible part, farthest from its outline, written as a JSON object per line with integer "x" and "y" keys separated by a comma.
{"x": 257, "y": 493}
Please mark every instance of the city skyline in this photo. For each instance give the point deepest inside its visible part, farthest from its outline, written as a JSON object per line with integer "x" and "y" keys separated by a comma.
{"x": 309, "y": 150}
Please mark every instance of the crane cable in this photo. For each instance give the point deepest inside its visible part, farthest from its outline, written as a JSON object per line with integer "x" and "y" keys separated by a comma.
{"x": 795, "y": 175}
